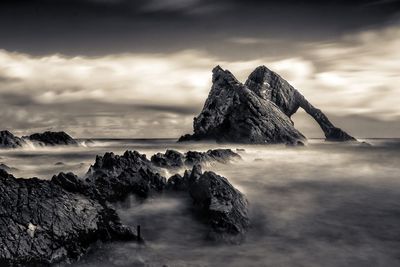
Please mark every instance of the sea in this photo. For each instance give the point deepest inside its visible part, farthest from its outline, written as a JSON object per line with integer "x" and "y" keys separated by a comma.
{"x": 324, "y": 204}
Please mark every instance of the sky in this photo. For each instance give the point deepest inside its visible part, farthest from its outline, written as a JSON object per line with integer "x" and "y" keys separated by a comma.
{"x": 142, "y": 68}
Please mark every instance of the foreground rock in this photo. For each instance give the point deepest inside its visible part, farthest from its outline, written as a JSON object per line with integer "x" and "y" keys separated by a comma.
{"x": 216, "y": 202}
{"x": 257, "y": 112}
{"x": 42, "y": 223}
{"x": 174, "y": 159}
{"x": 8, "y": 140}
{"x": 52, "y": 138}
{"x": 114, "y": 176}
{"x": 45, "y": 222}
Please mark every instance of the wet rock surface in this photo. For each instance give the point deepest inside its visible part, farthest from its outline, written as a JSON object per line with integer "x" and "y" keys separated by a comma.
{"x": 8, "y": 140}
{"x": 169, "y": 159}
{"x": 42, "y": 223}
{"x": 216, "y": 202}
{"x": 114, "y": 177}
{"x": 48, "y": 221}
{"x": 52, "y": 138}
{"x": 174, "y": 159}
{"x": 256, "y": 112}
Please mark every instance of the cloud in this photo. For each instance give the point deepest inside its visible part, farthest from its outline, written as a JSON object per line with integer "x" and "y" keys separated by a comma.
{"x": 360, "y": 72}
{"x": 154, "y": 95}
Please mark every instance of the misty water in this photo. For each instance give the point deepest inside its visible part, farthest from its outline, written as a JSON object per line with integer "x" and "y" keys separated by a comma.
{"x": 325, "y": 204}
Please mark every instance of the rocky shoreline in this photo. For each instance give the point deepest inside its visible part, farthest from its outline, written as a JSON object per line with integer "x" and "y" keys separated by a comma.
{"x": 57, "y": 220}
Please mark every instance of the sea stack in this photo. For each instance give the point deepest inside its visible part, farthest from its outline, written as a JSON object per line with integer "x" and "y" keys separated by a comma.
{"x": 257, "y": 112}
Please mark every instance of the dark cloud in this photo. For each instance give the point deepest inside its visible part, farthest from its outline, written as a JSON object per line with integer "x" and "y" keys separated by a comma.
{"x": 94, "y": 27}
{"x": 15, "y": 99}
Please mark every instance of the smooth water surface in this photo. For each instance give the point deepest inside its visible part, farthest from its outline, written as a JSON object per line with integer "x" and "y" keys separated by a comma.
{"x": 326, "y": 204}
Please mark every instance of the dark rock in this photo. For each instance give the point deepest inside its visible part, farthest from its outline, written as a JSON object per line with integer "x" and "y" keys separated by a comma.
{"x": 171, "y": 159}
{"x": 114, "y": 176}
{"x": 114, "y": 165}
{"x": 240, "y": 150}
{"x": 178, "y": 183}
{"x": 59, "y": 163}
{"x": 7, "y": 168}
{"x": 257, "y": 112}
{"x": 72, "y": 183}
{"x": 41, "y": 223}
{"x": 216, "y": 202}
{"x": 52, "y": 138}
{"x": 270, "y": 86}
{"x": 234, "y": 113}
{"x": 8, "y": 140}
{"x": 213, "y": 155}
{"x": 45, "y": 222}
{"x": 186, "y": 138}
{"x": 222, "y": 206}
{"x": 140, "y": 183}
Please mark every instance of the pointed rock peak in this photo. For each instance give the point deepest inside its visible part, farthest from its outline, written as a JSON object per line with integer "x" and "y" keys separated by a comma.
{"x": 220, "y": 73}
{"x": 6, "y": 133}
{"x": 260, "y": 74}
{"x": 217, "y": 69}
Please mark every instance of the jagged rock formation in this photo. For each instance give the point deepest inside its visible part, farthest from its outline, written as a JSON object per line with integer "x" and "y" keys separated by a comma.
{"x": 257, "y": 112}
{"x": 114, "y": 177}
{"x": 42, "y": 223}
{"x": 45, "y": 222}
{"x": 270, "y": 86}
{"x": 169, "y": 159}
{"x": 213, "y": 155}
{"x": 52, "y": 138}
{"x": 7, "y": 168}
{"x": 216, "y": 201}
{"x": 8, "y": 140}
{"x": 174, "y": 159}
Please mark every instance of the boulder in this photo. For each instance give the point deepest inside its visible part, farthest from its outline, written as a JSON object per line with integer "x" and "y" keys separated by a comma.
{"x": 171, "y": 159}
{"x": 52, "y": 138}
{"x": 216, "y": 202}
{"x": 213, "y": 155}
{"x": 221, "y": 205}
{"x": 113, "y": 177}
{"x": 41, "y": 223}
{"x": 174, "y": 160}
{"x": 8, "y": 140}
